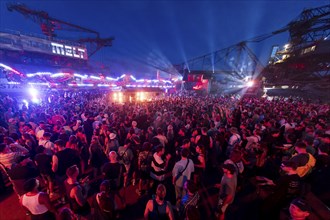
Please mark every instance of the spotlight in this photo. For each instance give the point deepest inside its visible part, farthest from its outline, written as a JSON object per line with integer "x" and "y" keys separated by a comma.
{"x": 35, "y": 100}
{"x": 249, "y": 84}
{"x": 33, "y": 92}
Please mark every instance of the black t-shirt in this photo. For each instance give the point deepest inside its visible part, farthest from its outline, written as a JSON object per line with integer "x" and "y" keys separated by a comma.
{"x": 205, "y": 141}
{"x": 44, "y": 163}
{"x": 112, "y": 170}
{"x": 67, "y": 158}
{"x": 25, "y": 172}
{"x": 289, "y": 185}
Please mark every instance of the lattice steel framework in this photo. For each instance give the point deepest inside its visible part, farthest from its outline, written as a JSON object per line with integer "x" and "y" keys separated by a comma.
{"x": 50, "y": 25}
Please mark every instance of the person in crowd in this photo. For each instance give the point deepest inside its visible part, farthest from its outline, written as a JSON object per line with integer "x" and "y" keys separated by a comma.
{"x": 57, "y": 117}
{"x": 234, "y": 140}
{"x": 77, "y": 192}
{"x": 204, "y": 139}
{"x": 37, "y": 203}
{"x": 186, "y": 144}
{"x": 44, "y": 163}
{"x": 235, "y": 158}
{"x": 309, "y": 145}
{"x": 144, "y": 166}
{"x": 282, "y": 122}
{"x": 181, "y": 136}
{"x": 111, "y": 143}
{"x": 81, "y": 136}
{"x": 61, "y": 161}
{"x": 76, "y": 126}
{"x": 22, "y": 171}
{"x": 299, "y": 209}
{"x": 286, "y": 188}
{"x": 305, "y": 161}
{"x": 171, "y": 138}
{"x": 200, "y": 164}
{"x": 135, "y": 128}
{"x": 97, "y": 157}
{"x": 63, "y": 135}
{"x": 135, "y": 146}
{"x": 150, "y": 134}
{"x": 8, "y": 114}
{"x": 227, "y": 189}
{"x": 159, "y": 171}
{"x": 320, "y": 178}
{"x": 181, "y": 173}
{"x": 162, "y": 138}
{"x": 323, "y": 157}
{"x": 47, "y": 143}
{"x": 253, "y": 139}
{"x": 188, "y": 208}
{"x": 125, "y": 155}
{"x": 115, "y": 173}
{"x": 40, "y": 130}
{"x": 12, "y": 125}
{"x": 29, "y": 142}
{"x": 10, "y": 154}
{"x": 103, "y": 205}
{"x": 88, "y": 127}
{"x": 159, "y": 208}
{"x": 67, "y": 214}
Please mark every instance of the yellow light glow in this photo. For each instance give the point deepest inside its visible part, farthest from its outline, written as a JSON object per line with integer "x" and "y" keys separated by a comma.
{"x": 142, "y": 96}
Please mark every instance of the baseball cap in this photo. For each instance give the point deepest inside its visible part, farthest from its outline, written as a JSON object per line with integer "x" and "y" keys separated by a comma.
{"x": 301, "y": 204}
{"x": 289, "y": 163}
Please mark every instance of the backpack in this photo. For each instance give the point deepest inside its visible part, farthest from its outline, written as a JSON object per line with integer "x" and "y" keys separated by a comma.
{"x": 307, "y": 168}
{"x": 190, "y": 210}
{"x": 123, "y": 157}
{"x": 237, "y": 141}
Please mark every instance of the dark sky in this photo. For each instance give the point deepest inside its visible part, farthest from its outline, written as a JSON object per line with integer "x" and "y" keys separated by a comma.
{"x": 166, "y": 31}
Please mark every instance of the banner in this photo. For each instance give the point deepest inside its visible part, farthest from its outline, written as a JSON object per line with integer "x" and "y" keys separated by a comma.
{"x": 39, "y": 45}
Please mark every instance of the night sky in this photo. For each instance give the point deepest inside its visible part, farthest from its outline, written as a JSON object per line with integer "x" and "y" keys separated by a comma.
{"x": 166, "y": 31}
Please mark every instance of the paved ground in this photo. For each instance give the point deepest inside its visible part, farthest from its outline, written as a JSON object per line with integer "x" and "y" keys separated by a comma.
{"x": 10, "y": 208}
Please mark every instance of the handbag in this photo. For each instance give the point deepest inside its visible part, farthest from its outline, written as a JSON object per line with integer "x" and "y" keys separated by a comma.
{"x": 181, "y": 172}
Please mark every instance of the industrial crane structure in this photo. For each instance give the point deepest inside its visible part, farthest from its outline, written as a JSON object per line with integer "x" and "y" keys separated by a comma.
{"x": 304, "y": 62}
{"x": 50, "y": 26}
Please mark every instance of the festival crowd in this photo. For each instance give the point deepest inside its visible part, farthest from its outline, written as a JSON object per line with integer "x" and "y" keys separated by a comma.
{"x": 70, "y": 156}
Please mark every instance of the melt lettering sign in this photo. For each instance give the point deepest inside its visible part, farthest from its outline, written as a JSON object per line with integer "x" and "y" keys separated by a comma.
{"x": 70, "y": 51}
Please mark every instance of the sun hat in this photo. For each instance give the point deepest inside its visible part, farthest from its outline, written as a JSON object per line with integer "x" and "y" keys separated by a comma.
{"x": 112, "y": 136}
